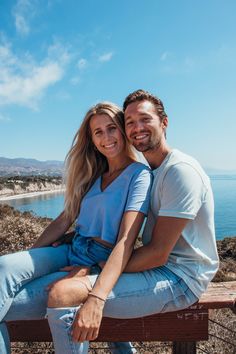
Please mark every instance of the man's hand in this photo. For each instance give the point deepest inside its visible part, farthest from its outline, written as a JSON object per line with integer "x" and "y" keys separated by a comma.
{"x": 74, "y": 272}
{"x": 66, "y": 238}
{"x": 88, "y": 320}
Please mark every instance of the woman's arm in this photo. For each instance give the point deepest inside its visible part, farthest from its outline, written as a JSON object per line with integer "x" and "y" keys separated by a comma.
{"x": 54, "y": 230}
{"x": 88, "y": 319}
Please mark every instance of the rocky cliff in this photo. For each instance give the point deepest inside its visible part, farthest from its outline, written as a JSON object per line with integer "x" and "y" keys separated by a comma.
{"x": 20, "y": 185}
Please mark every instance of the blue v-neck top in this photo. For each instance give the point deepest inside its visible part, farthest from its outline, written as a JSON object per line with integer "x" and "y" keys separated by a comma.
{"x": 101, "y": 211}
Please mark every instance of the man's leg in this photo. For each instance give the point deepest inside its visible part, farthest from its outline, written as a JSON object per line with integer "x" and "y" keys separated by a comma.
{"x": 145, "y": 293}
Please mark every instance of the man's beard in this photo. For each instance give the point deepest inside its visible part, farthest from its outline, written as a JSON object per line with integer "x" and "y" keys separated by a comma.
{"x": 148, "y": 147}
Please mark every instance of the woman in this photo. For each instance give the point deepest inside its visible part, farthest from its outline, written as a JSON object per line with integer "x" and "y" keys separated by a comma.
{"x": 107, "y": 193}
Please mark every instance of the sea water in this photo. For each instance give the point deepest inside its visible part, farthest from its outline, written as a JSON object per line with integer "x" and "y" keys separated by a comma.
{"x": 224, "y": 189}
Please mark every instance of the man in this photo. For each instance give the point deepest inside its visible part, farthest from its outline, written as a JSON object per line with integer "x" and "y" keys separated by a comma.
{"x": 180, "y": 228}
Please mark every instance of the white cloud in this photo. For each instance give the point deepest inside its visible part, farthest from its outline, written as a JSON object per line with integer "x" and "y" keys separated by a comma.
{"x": 23, "y": 81}
{"x": 21, "y": 25}
{"x": 4, "y": 118}
{"x": 59, "y": 51}
{"x": 23, "y": 12}
{"x": 105, "y": 57}
{"x": 82, "y": 63}
{"x": 75, "y": 80}
{"x": 164, "y": 56}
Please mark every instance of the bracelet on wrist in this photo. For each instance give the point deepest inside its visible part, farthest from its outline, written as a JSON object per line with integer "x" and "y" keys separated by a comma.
{"x": 97, "y": 296}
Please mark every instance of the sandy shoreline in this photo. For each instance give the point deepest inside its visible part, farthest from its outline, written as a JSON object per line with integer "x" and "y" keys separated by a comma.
{"x": 30, "y": 194}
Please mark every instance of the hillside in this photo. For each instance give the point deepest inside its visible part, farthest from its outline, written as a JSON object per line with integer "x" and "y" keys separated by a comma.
{"x": 26, "y": 167}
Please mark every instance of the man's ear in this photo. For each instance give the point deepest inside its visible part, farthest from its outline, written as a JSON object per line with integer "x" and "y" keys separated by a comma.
{"x": 165, "y": 122}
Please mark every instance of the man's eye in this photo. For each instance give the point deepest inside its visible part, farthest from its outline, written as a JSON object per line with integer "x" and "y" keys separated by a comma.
{"x": 129, "y": 123}
{"x": 97, "y": 133}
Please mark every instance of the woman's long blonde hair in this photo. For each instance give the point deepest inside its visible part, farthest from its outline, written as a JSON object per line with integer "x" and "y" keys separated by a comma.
{"x": 84, "y": 163}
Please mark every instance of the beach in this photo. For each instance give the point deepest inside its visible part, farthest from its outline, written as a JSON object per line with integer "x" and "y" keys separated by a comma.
{"x": 31, "y": 194}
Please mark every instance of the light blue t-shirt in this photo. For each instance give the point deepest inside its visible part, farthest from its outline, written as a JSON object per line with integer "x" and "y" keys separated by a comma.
{"x": 101, "y": 211}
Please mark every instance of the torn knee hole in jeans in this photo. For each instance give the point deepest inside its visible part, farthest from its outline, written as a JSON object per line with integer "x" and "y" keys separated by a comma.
{"x": 67, "y": 317}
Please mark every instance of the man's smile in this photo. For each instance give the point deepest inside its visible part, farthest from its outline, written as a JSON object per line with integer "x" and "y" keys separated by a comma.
{"x": 140, "y": 136}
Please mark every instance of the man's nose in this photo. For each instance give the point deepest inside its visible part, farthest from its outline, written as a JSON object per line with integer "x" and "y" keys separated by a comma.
{"x": 138, "y": 126}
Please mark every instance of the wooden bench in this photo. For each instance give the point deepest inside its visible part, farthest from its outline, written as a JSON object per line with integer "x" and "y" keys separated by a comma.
{"x": 184, "y": 328}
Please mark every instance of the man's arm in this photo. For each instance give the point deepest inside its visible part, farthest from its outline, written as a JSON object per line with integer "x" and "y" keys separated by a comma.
{"x": 166, "y": 233}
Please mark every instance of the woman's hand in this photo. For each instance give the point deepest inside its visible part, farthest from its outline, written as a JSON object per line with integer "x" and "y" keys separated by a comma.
{"x": 88, "y": 320}
{"x": 74, "y": 272}
{"x": 64, "y": 239}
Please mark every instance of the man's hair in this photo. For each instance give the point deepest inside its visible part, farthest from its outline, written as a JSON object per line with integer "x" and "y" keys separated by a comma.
{"x": 141, "y": 95}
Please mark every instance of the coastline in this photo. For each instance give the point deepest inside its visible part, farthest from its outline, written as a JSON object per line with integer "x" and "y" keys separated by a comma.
{"x": 31, "y": 194}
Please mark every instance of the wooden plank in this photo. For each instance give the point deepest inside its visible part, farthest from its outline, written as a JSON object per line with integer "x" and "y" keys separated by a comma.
{"x": 184, "y": 325}
{"x": 219, "y": 295}
{"x": 187, "y": 325}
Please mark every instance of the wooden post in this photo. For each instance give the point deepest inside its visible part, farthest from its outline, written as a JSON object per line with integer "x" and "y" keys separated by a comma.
{"x": 184, "y": 348}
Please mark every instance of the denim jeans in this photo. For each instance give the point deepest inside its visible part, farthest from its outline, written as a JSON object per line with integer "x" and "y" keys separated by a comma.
{"x": 24, "y": 280}
{"x": 23, "y": 295}
{"x": 135, "y": 295}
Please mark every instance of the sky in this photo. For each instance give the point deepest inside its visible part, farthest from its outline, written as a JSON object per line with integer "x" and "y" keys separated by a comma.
{"x": 58, "y": 58}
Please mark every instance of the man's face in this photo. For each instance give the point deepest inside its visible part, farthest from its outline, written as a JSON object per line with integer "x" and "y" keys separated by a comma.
{"x": 143, "y": 127}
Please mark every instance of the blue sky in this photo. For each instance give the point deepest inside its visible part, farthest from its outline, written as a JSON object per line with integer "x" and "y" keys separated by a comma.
{"x": 57, "y": 58}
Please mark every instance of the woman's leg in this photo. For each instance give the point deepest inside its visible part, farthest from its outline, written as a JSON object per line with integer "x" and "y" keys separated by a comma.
{"x": 21, "y": 295}
{"x": 72, "y": 292}
{"x": 60, "y": 322}
{"x": 20, "y": 268}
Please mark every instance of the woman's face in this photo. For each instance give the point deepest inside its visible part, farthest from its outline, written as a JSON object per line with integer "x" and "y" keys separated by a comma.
{"x": 106, "y": 136}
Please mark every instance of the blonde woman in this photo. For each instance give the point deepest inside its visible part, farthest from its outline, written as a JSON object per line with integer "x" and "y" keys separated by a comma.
{"x": 107, "y": 196}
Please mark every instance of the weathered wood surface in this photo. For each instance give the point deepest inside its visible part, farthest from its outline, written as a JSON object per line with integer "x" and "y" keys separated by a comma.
{"x": 188, "y": 325}
{"x": 219, "y": 295}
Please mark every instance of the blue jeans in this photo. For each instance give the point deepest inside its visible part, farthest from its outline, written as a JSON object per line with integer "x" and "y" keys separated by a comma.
{"x": 23, "y": 295}
{"x": 26, "y": 275}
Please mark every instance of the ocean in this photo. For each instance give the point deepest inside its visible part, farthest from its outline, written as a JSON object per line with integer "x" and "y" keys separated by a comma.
{"x": 224, "y": 189}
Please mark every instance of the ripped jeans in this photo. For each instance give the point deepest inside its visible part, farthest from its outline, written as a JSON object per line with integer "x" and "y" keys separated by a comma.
{"x": 24, "y": 280}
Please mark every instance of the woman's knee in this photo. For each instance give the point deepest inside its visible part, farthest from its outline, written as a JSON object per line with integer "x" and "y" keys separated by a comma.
{"x": 68, "y": 292}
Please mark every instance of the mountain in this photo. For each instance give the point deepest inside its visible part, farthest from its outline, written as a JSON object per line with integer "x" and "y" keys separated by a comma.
{"x": 26, "y": 167}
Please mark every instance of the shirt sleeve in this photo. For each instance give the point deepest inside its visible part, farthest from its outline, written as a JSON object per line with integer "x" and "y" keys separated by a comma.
{"x": 138, "y": 198}
{"x": 182, "y": 192}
